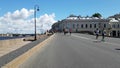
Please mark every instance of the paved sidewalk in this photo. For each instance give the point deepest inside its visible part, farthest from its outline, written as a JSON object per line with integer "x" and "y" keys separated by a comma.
{"x": 9, "y": 48}
{"x": 8, "y": 53}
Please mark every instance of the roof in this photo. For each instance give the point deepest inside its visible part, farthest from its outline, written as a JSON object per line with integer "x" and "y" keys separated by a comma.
{"x": 86, "y": 20}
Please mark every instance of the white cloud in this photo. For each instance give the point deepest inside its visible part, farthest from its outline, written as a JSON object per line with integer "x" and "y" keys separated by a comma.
{"x": 46, "y": 20}
{"x": 22, "y": 14}
{"x": 20, "y": 22}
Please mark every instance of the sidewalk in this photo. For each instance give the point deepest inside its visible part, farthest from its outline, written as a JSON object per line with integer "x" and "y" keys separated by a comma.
{"x": 9, "y": 48}
{"x": 8, "y": 53}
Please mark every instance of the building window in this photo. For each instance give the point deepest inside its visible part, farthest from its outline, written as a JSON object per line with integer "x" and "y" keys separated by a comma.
{"x": 99, "y": 25}
{"x": 94, "y": 25}
{"x": 118, "y": 25}
{"x": 104, "y": 25}
{"x": 86, "y": 25}
{"x": 68, "y": 25}
{"x": 90, "y": 25}
{"x": 63, "y": 26}
{"x": 113, "y": 25}
{"x": 73, "y": 25}
{"x": 77, "y": 25}
{"x": 81, "y": 25}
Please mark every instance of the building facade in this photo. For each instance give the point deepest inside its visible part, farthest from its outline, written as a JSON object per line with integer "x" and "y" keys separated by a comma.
{"x": 115, "y": 28}
{"x": 88, "y": 25}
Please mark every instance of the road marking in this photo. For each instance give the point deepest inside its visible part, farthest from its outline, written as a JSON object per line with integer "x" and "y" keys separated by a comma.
{"x": 83, "y": 37}
{"x": 95, "y": 40}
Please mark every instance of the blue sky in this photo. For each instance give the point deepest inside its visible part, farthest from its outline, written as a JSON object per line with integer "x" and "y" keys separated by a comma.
{"x": 16, "y": 12}
{"x": 63, "y": 8}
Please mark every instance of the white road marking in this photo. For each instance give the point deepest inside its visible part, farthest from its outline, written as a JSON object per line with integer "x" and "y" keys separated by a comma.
{"x": 83, "y": 37}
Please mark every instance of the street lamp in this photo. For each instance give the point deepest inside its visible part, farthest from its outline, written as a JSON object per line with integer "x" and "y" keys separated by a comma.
{"x": 36, "y": 8}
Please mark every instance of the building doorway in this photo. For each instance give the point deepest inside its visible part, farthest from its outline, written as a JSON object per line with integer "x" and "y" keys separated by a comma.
{"x": 118, "y": 33}
{"x": 114, "y": 33}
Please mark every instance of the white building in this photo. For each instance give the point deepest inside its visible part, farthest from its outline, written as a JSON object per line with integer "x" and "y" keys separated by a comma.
{"x": 89, "y": 25}
{"x": 115, "y": 27}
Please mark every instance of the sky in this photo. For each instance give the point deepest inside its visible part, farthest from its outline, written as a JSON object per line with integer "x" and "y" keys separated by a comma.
{"x": 17, "y": 16}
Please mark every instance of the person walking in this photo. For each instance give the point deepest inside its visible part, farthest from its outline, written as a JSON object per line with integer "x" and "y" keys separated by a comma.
{"x": 70, "y": 30}
{"x": 64, "y": 30}
{"x": 97, "y": 33}
{"x": 103, "y": 35}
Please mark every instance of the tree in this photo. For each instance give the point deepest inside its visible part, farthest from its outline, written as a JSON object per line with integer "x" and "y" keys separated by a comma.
{"x": 98, "y": 15}
{"x": 72, "y": 15}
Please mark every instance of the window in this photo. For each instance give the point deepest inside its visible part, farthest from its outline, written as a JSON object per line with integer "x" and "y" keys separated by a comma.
{"x": 77, "y": 25}
{"x": 86, "y": 25}
{"x": 118, "y": 25}
{"x": 68, "y": 25}
{"x": 81, "y": 25}
{"x": 73, "y": 25}
{"x": 94, "y": 25}
{"x": 113, "y": 25}
{"x": 90, "y": 25}
{"x": 104, "y": 25}
{"x": 63, "y": 26}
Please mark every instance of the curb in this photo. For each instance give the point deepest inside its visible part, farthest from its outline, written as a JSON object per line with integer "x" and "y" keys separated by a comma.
{"x": 21, "y": 59}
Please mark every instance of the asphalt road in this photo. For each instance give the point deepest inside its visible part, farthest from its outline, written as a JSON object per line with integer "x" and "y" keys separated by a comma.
{"x": 76, "y": 51}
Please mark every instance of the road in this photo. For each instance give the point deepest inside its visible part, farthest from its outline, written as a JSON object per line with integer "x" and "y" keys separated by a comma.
{"x": 76, "y": 51}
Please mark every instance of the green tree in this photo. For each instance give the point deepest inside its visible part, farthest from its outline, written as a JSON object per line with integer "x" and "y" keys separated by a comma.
{"x": 98, "y": 15}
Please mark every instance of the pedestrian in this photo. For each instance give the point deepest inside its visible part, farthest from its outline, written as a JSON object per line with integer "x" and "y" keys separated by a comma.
{"x": 64, "y": 30}
{"x": 97, "y": 33}
{"x": 103, "y": 34}
{"x": 70, "y": 30}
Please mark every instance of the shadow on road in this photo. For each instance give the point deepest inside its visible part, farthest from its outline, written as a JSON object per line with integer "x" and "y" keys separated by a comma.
{"x": 117, "y": 48}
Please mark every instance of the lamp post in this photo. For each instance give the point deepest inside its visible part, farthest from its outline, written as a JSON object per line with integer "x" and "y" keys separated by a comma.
{"x": 36, "y": 8}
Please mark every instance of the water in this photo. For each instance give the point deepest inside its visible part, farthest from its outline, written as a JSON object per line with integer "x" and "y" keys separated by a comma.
{"x": 6, "y": 38}
{"x": 15, "y": 36}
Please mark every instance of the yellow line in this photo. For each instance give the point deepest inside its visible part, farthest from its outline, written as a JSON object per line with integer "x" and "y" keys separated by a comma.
{"x": 21, "y": 59}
